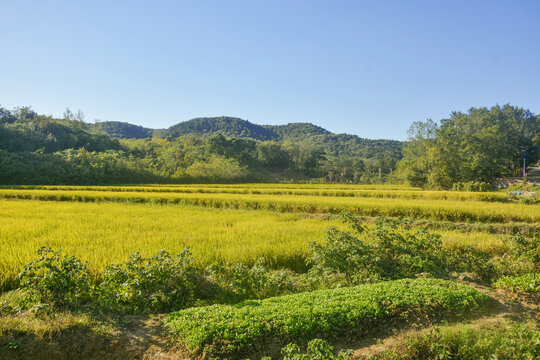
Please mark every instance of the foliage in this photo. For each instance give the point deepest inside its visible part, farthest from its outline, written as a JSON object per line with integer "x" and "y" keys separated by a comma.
{"x": 121, "y": 130}
{"x": 476, "y": 146}
{"x": 200, "y": 150}
{"x": 528, "y": 282}
{"x": 158, "y": 283}
{"x": 257, "y": 282}
{"x": 524, "y": 255}
{"x": 226, "y": 126}
{"x": 392, "y": 250}
{"x": 471, "y": 186}
{"x": 317, "y": 349}
{"x": 55, "y": 280}
{"x": 233, "y": 330}
{"x": 513, "y": 341}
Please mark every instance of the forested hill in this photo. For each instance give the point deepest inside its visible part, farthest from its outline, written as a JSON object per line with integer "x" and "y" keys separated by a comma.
{"x": 334, "y": 145}
{"x": 40, "y": 149}
{"x": 122, "y": 130}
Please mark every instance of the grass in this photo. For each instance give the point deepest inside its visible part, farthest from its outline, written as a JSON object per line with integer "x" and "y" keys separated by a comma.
{"x": 506, "y": 340}
{"x": 235, "y": 330}
{"x": 108, "y": 233}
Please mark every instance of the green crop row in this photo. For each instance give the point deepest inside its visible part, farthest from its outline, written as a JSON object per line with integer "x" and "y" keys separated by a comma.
{"x": 250, "y": 326}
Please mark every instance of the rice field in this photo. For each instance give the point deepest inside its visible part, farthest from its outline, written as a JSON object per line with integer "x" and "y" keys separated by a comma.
{"x": 103, "y": 225}
{"x": 434, "y": 209}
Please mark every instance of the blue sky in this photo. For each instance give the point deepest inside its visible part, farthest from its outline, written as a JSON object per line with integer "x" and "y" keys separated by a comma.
{"x": 369, "y": 68}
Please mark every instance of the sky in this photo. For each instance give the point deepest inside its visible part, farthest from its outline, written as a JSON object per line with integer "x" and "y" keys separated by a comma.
{"x": 368, "y": 68}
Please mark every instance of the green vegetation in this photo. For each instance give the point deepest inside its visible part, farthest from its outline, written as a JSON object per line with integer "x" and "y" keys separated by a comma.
{"x": 38, "y": 149}
{"x": 121, "y": 130}
{"x": 245, "y": 269}
{"x": 528, "y": 283}
{"x": 478, "y": 146}
{"x": 511, "y": 341}
{"x": 233, "y": 330}
{"x": 317, "y": 349}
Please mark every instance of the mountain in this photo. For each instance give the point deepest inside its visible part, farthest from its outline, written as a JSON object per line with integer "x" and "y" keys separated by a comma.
{"x": 307, "y": 134}
{"x": 122, "y": 130}
{"x": 230, "y": 127}
{"x": 296, "y": 131}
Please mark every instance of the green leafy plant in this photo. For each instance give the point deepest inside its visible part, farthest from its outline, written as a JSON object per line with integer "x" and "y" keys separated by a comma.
{"x": 234, "y": 330}
{"x": 55, "y": 280}
{"x": 389, "y": 250}
{"x": 528, "y": 283}
{"x": 317, "y": 349}
{"x": 257, "y": 282}
{"x": 161, "y": 282}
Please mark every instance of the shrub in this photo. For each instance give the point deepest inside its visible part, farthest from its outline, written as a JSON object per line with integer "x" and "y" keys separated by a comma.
{"x": 528, "y": 283}
{"x": 469, "y": 259}
{"x": 55, "y": 280}
{"x": 389, "y": 250}
{"x": 257, "y": 282}
{"x": 317, "y": 349}
{"x": 234, "y": 330}
{"x": 158, "y": 283}
{"x": 523, "y": 255}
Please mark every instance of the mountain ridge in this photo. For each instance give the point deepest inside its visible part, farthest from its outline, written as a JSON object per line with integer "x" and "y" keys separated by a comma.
{"x": 228, "y": 126}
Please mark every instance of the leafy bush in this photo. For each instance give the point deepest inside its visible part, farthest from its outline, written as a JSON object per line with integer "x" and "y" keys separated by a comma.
{"x": 523, "y": 256}
{"x": 389, "y": 250}
{"x": 469, "y": 259}
{"x": 55, "y": 280}
{"x": 257, "y": 282}
{"x": 158, "y": 283}
{"x": 392, "y": 250}
{"x": 317, "y": 349}
{"x": 508, "y": 341}
{"x": 233, "y": 330}
{"x": 529, "y": 283}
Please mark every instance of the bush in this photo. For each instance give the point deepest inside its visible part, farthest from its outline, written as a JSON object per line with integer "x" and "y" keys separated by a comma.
{"x": 469, "y": 259}
{"x": 257, "y": 282}
{"x": 390, "y": 250}
{"x": 233, "y": 330}
{"x": 317, "y": 349}
{"x": 158, "y": 283}
{"x": 55, "y": 280}
{"x": 523, "y": 256}
{"x": 528, "y": 283}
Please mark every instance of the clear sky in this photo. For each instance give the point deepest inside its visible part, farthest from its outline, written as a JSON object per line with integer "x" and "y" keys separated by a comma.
{"x": 369, "y": 68}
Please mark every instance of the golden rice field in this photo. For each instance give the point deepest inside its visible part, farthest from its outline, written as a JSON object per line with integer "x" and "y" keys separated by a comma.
{"x": 435, "y": 209}
{"x": 103, "y": 225}
{"x": 393, "y": 192}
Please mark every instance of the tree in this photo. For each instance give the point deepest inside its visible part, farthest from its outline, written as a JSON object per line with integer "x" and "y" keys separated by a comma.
{"x": 475, "y": 146}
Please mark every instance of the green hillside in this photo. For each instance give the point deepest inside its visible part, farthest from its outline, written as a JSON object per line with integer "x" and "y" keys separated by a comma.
{"x": 122, "y": 130}
{"x": 227, "y": 126}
